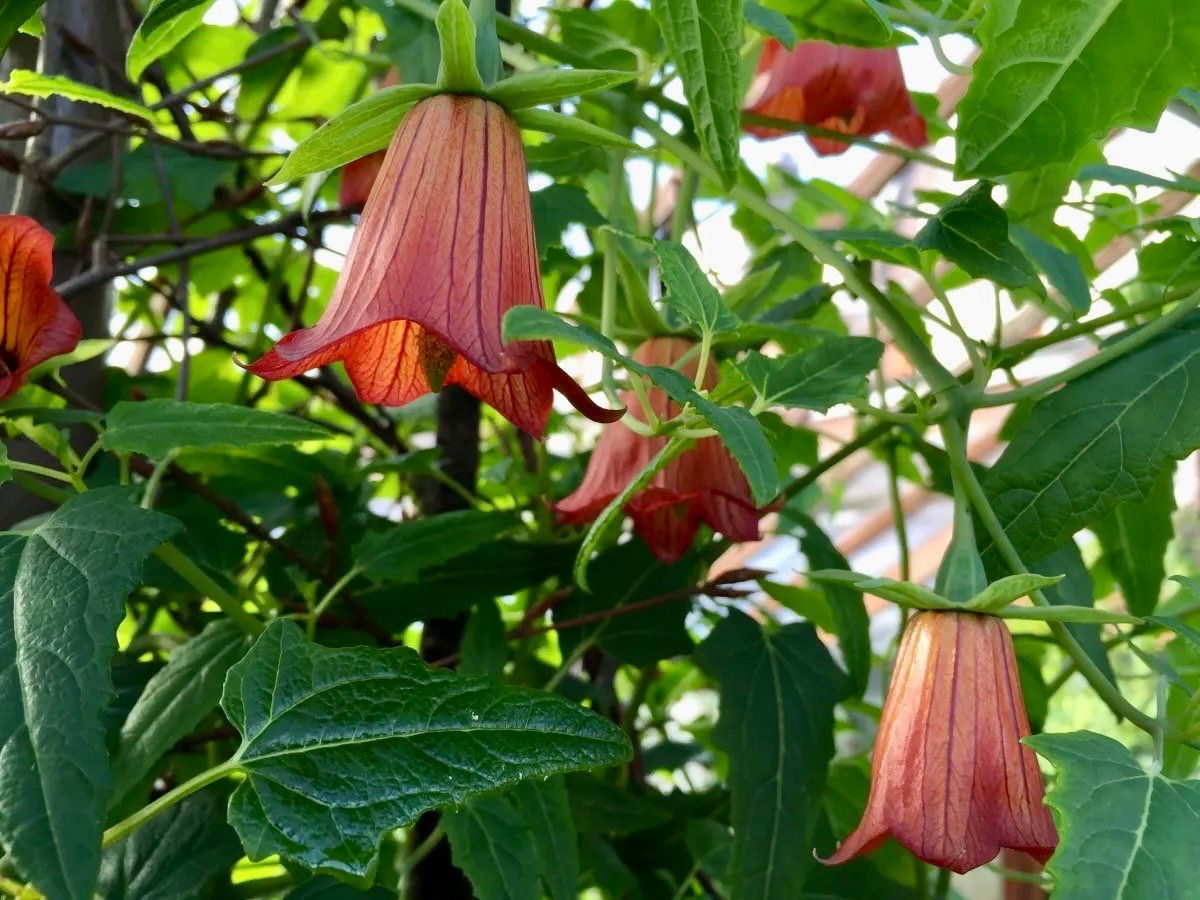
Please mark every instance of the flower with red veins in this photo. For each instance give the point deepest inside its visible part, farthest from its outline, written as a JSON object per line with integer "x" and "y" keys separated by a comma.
{"x": 444, "y": 249}
{"x": 35, "y": 323}
{"x": 703, "y": 484}
{"x": 847, "y": 89}
{"x": 950, "y": 779}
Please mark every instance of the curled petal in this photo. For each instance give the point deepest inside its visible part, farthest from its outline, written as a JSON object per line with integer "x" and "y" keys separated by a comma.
{"x": 703, "y": 485}
{"x": 950, "y": 779}
{"x": 35, "y": 323}
{"x": 847, "y": 89}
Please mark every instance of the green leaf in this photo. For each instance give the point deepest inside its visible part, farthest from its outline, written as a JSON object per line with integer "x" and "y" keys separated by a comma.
{"x": 154, "y": 428}
{"x": 1075, "y": 589}
{"x": 491, "y": 843}
{"x": 484, "y": 648}
{"x": 570, "y": 128}
{"x": 599, "y": 807}
{"x": 322, "y": 887}
{"x": 1126, "y": 177}
{"x": 778, "y": 691}
{"x": 343, "y": 745}
{"x": 832, "y": 372}
{"x": 184, "y": 853}
{"x": 61, "y": 593}
{"x": 704, "y": 40}
{"x": 13, "y": 15}
{"x": 1061, "y": 268}
{"x": 689, "y": 292}
{"x": 770, "y": 22}
{"x": 546, "y": 809}
{"x": 410, "y": 547}
{"x": 1101, "y": 440}
{"x": 557, "y": 206}
{"x": 33, "y": 84}
{"x": 459, "y": 71}
{"x": 487, "y": 42}
{"x": 6, "y": 471}
{"x": 1045, "y": 84}
{"x": 904, "y": 593}
{"x": 1008, "y": 589}
{"x": 174, "y": 702}
{"x": 1124, "y": 833}
{"x": 972, "y": 232}
{"x": 167, "y": 23}
{"x": 546, "y": 86}
{"x": 1134, "y": 540}
{"x": 744, "y": 437}
{"x": 359, "y": 129}
{"x": 622, "y": 575}
{"x": 856, "y": 22}
{"x": 846, "y": 604}
{"x": 1076, "y": 614}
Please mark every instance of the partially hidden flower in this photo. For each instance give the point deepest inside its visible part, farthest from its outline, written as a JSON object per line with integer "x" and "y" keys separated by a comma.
{"x": 444, "y": 249}
{"x": 358, "y": 177}
{"x": 950, "y": 779}
{"x": 848, "y": 89}
{"x": 35, "y": 323}
{"x": 702, "y": 485}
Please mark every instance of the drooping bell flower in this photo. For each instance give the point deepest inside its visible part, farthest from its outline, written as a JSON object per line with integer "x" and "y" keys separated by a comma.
{"x": 702, "y": 485}
{"x": 444, "y": 249}
{"x": 35, "y": 323}
{"x": 950, "y": 779}
{"x": 848, "y": 89}
{"x": 358, "y": 177}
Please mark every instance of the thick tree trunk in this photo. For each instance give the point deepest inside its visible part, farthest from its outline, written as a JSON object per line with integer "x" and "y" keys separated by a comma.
{"x": 85, "y": 41}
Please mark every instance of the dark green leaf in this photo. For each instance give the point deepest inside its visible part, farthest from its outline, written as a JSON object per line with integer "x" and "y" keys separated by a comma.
{"x": 487, "y": 43}
{"x": 156, "y": 427}
{"x": 546, "y": 810}
{"x": 322, "y": 887}
{"x": 778, "y": 692}
{"x": 410, "y": 547}
{"x": 855, "y": 22}
{"x": 704, "y": 40}
{"x": 1045, "y": 84}
{"x": 598, "y": 807}
{"x": 832, "y": 372}
{"x": 846, "y": 604}
{"x": 1124, "y": 833}
{"x": 972, "y": 232}
{"x": 1135, "y": 538}
{"x": 484, "y": 649}
{"x": 175, "y": 701}
{"x": 491, "y": 843}
{"x": 1126, "y": 177}
{"x": 557, "y": 206}
{"x": 184, "y": 853}
{"x": 745, "y": 439}
{"x": 620, "y": 576}
{"x": 689, "y": 292}
{"x": 5, "y": 469}
{"x": 61, "y": 593}
{"x": 343, "y": 745}
{"x": 1060, "y": 267}
{"x": 770, "y": 22}
{"x": 166, "y": 24}
{"x": 13, "y": 15}
{"x": 1075, "y": 589}
{"x": 1099, "y": 441}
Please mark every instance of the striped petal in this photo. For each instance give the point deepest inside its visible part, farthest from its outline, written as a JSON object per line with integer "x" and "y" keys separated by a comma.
{"x": 950, "y": 779}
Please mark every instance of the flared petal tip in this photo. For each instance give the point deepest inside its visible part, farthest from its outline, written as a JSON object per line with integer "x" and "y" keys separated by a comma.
{"x": 578, "y": 397}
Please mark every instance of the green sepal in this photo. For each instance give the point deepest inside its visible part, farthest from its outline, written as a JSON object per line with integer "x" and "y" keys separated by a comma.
{"x": 552, "y": 85}
{"x": 960, "y": 576}
{"x": 487, "y": 42}
{"x": 569, "y": 128}
{"x": 459, "y": 70}
{"x": 359, "y": 129}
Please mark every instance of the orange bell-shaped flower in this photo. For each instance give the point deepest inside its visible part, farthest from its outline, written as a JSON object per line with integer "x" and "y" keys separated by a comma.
{"x": 950, "y": 779}
{"x": 444, "y": 249}
{"x": 358, "y": 177}
{"x": 702, "y": 485}
{"x": 35, "y": 323}
{"x": 847, "y": 89}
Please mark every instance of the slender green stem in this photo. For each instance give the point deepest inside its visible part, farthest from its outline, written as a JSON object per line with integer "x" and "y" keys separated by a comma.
{"x": 956, "y": 451}
{"x": 898, "y": 516}
{"x": 423, "y": 849}
{"x": 1114, "y": 351}
{"x": 150, "y": 493}
{"x": 39, "y": 488}
{"x": 941, "y": 885}
{"x": 608, "y": 287}
{"x": 185, "y": 568}
{"x": 682, "y": 218}
{"x": 331, "y": 595}
{"x": 167, "y": 800}
{"x": 848, "y": 449}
